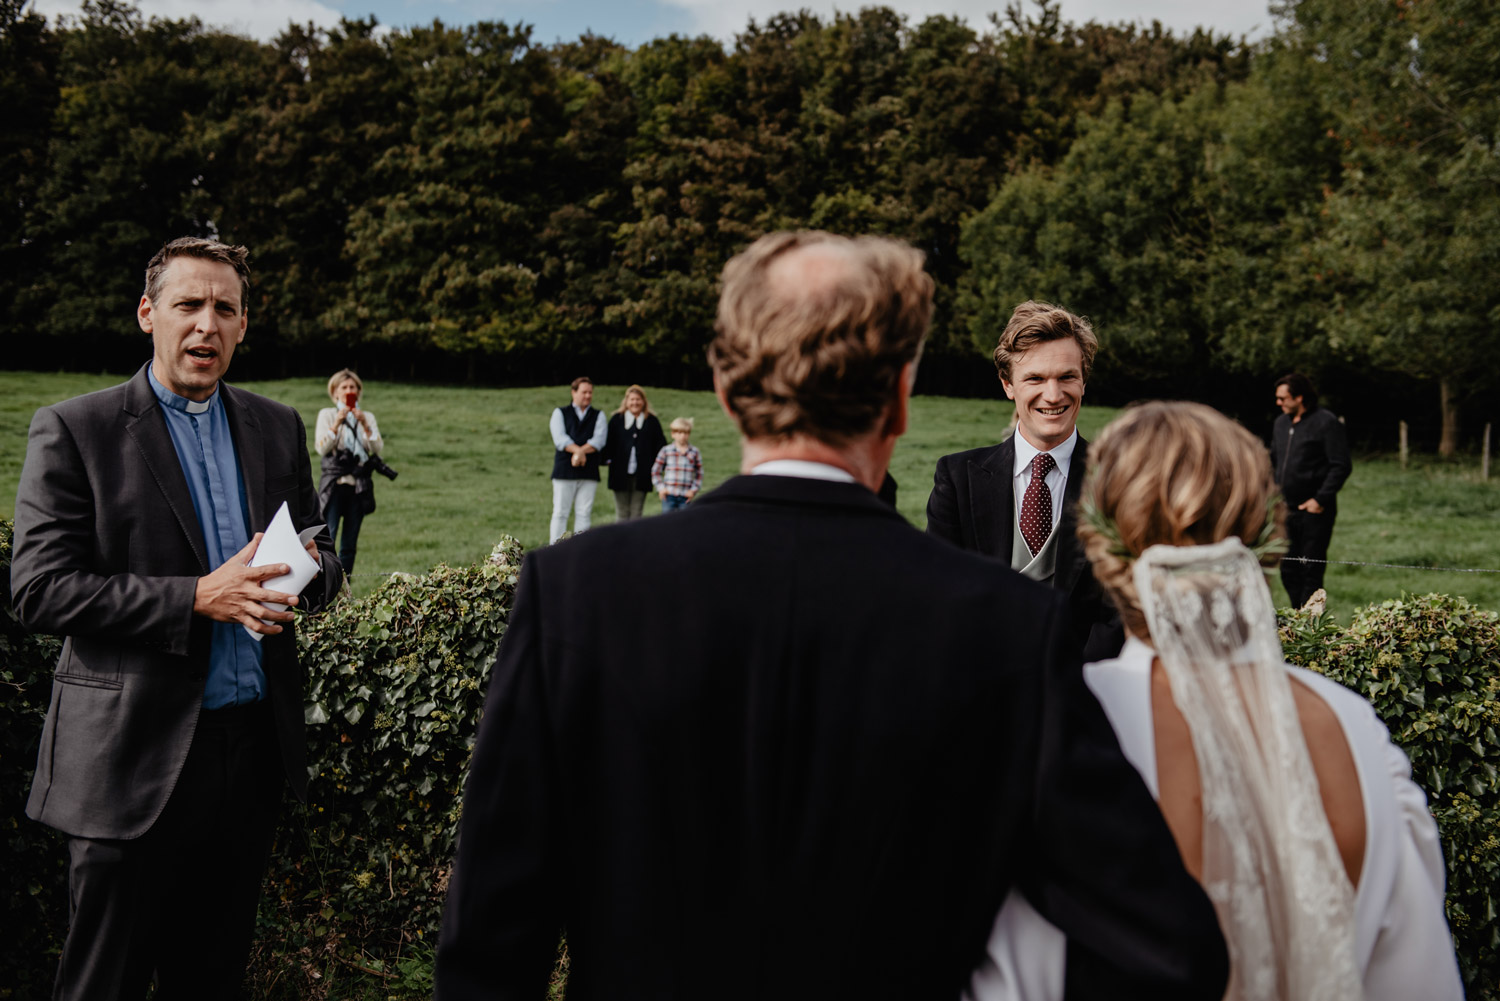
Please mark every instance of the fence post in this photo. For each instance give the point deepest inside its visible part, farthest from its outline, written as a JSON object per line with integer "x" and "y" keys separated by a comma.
{"x": 1484, "y": 460}
{"x": 1403, "y": 444}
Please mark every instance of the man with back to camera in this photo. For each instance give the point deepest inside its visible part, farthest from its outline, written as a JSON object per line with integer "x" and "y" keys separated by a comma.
{"x": 989, "y": 499}
{"x": 171, "y": 732}
{"x": 752, "y": 791}
{"x": 1310, "y": 453}
{"x": 578, "y": 433}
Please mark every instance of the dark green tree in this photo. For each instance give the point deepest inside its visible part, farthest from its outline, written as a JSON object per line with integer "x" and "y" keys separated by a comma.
{"x": 1410, "y": 252}
{"x": 330, "y": 105}
{"x": 29, "y": 53}
{"x": 444, "y": 250}
{"x": 139, "y": 143}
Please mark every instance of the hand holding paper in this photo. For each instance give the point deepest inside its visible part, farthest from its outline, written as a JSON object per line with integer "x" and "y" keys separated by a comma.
{"x": 281, "y": 544}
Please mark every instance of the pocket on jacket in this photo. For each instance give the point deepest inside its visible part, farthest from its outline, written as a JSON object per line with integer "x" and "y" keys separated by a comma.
{"x": 89, "y": 664}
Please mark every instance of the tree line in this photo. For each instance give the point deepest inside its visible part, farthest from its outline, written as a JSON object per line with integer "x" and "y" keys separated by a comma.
{"x": 468, "y": 203}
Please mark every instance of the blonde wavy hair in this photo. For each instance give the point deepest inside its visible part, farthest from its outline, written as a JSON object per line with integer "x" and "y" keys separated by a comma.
{"x": 624, "y": 400}
{"x": 1179, "y": 474}
{"x": 342, "y": 375}
{"x": 818, "y": 352}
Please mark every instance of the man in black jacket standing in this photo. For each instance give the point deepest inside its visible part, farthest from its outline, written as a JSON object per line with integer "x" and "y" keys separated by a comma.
{"x": 817, "y": 771}
{"x": 1311, "y": 456}
{"x": 979, "y": 498}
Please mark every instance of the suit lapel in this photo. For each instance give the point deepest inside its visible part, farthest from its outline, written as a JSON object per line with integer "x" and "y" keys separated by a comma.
{"x": 992, "y": 501}
{"x": 1070, "y": 558}
{"x": 148, "y": 429}
{"x": 249, "y": 447}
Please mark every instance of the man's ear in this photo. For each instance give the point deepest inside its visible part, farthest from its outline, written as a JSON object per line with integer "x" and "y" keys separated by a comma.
{"x": 724, "y": 399}
{"x": 1010, "y": 390}
{"x": 143, "y": 314}
{"x": 898, "y": 418}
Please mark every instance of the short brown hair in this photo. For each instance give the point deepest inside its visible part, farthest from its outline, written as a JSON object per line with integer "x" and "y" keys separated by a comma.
{"x": 818, "y": 357}
{"x": 342, "y": 375}
{"x": 580, "y": 381}
{"x": 1297, "y": 385}
{"x": 1034, "y": 323}
{"x": 1179, "y": 474}
{"x": 207, "y": 250}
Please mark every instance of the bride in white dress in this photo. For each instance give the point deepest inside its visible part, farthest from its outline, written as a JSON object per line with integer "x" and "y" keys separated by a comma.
{"x": 1283, "y": 790}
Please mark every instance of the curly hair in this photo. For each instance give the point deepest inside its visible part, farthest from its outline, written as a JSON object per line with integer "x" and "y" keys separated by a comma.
{"x": 818, "y": 350}
{"x": 1179, "y": 474}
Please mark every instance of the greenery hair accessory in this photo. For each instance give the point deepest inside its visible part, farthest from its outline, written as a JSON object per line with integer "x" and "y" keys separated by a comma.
{"x": 1266, "y": 544}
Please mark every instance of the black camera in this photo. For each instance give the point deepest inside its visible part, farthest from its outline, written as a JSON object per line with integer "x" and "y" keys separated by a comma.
{"x": 375, "y": 464}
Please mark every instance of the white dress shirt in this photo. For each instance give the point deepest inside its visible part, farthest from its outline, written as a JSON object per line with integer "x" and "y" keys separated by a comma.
{"x": 803, "y": 469}
{"x": 1057, "y": 479}
{"x": 633, "y": 421}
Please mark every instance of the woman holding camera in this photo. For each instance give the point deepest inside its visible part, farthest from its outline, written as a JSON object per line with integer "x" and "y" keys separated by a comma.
{"x": 347, "y": 438}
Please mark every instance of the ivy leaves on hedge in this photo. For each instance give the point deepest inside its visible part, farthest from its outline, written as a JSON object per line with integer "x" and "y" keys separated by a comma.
{"x": 394, "y": 692}
{"x": 1431, "y": 667}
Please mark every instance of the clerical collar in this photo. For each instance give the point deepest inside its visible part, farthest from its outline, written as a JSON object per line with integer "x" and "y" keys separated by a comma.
{"x": 182, "y": 403}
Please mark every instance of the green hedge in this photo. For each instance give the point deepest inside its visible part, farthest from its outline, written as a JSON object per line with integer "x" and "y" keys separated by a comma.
{"x": 394, "y": 694}
{"x": 34, "y": 872}
{"x": 395, "y": 688}
{"x": 1431, "y": 666}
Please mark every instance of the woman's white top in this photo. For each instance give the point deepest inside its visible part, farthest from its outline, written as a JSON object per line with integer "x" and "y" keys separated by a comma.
{"x": 1402, "y": 943}
{"x": 327, "y": 435}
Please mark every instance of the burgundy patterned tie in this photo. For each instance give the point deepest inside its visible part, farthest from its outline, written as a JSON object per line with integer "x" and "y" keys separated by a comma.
{"x": 1036, "y": 505}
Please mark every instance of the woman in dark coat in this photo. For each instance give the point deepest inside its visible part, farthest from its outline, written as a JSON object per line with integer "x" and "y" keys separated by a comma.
{"x": 635, "y": 436}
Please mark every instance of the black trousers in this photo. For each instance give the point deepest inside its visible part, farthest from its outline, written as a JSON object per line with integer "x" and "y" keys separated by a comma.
{"x": 177, "y": 905}
{"x": 1307, "y": 535}
{"x": 346, "y": 506}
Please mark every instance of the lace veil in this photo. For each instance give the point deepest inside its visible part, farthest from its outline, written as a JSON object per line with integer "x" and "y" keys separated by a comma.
{"x": 1270, "y": 863}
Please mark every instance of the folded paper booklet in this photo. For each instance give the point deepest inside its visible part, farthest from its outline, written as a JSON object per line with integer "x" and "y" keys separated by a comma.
{"x": 282, "y": 544}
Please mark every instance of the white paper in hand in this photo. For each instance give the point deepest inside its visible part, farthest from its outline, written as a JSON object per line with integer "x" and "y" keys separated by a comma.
{"x": 280, "y": 544}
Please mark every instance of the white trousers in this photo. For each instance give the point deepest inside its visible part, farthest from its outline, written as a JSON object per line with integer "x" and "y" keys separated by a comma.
{"x": 577, "y": 495}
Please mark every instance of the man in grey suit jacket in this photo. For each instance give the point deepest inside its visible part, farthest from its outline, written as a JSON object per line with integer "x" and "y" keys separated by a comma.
{"x": 171, "y": 731}
{"x": 980, "y": 498}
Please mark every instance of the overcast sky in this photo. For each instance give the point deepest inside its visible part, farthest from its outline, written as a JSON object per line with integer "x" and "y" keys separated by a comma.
{"x": 632, "y": 22}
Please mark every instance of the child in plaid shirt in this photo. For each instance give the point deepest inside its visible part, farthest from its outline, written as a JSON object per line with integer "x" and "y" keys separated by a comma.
{"x": 677, "y": 473}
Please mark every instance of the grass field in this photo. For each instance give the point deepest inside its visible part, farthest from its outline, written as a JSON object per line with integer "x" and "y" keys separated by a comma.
{"x": 475, "y": 464}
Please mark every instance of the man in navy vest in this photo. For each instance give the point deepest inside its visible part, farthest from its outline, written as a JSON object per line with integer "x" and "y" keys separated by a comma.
{"x": 578, "y": 433}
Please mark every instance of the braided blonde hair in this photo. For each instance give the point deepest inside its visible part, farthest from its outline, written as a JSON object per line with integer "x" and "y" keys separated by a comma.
{"x": 1179, "y": 474}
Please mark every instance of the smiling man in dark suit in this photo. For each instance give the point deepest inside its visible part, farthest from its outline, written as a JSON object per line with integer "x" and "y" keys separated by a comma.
{"x": 989, "y": 499}
{"x": 171, "y": 731}
{"x": 799, "y": 764}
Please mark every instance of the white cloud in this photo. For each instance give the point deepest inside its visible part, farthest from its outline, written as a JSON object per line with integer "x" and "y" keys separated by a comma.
{"x": 263, "y": 19}
{"x": 722, "y": 19}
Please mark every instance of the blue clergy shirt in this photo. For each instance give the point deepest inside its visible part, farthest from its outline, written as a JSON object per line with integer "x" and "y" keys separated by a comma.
{"x": 205, "y": 448}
